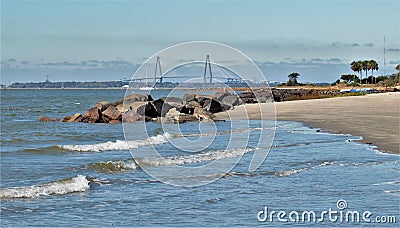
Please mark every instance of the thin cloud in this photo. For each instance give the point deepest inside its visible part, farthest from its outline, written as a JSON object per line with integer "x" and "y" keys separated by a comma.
{"x": 91, "y": 64}
{"x": 369, "y": 44}
{"x": 393, "y": 49}
{"x": 355, "y": 45}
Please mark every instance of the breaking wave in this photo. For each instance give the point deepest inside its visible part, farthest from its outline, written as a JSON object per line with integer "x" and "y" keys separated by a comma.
{"x": 113, "y": 166}
{"x": 119, "y": 144}
{"x": 69, "y": 185}
{"x": 190, "y": 159}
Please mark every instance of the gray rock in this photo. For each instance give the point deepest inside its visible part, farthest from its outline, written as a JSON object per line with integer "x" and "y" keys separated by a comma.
{"x": 231, "y": 100}
{"x": 189, "y": 97}
{"x": 131, "y": 116}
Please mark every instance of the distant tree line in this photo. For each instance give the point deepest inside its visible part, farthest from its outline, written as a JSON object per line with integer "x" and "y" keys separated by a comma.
{"x": 365, "y": 66}
{"x": 72, "y": 84}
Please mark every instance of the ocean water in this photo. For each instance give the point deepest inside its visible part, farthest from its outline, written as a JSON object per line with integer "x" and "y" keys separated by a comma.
{"x": 76, "y": 174}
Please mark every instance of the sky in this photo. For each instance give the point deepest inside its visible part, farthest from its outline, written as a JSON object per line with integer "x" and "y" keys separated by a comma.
{"x": 92, "y": 40}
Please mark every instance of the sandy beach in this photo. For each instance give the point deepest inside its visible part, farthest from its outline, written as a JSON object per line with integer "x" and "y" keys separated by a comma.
{"x": 375, "y": 117}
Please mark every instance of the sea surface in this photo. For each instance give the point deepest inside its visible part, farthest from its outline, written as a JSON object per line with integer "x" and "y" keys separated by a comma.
{"x": 77, "y": 174}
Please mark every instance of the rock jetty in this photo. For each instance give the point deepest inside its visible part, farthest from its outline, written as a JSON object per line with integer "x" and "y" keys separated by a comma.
{"x": 191, "y": 107}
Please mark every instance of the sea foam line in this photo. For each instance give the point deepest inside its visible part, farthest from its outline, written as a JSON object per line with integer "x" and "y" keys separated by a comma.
{"x": 119, "y": 144}
{"x": 74, "y": 184}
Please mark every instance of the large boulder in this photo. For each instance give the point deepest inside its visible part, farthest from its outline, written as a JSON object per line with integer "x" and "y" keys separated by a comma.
{"x": 147, "y": 110}
{"x": 161, "y": 107}
{"x": 102, "y": 105}
{"x": 174, "y": 116}
{"x": 263, "y": 96}
{"x": 92, "y": 115}
{"x": 112, "y": 113}
{"x": 214, "y": 106}
{"x": 121, "y": 108}
{"x": 201, "y": 99}
{"x": 231, "y": 100}
{"x": 132, "y": 105}
{"x": 131, "y": 116}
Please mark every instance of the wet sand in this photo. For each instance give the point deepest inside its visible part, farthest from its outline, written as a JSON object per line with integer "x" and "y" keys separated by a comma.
{"x": 375, "y": 117}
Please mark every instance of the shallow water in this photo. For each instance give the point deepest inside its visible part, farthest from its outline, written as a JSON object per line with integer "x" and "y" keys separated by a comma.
{"x": 76, "y": 174}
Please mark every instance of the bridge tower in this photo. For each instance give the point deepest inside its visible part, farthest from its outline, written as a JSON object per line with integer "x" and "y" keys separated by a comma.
{"x": 158, "y": 68}
{"x": 207, "y": 65}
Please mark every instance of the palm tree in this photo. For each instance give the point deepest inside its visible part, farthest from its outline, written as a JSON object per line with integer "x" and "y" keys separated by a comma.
{"x": 366, "y": 66}
{"x": 374, "y": 66}
{"x": 398, "y": 67}
{"x": 357, "y": 67}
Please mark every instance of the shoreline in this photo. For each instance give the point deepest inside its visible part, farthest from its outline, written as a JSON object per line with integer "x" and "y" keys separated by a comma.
{"x": 374, "y": 117}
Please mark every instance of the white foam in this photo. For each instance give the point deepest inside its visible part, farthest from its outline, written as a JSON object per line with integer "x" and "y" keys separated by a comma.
{"x": 295, "y": 171}
{"x": 119, "y": 144}
{"x": 389, "y": 183}
{"x": 74, "y": 184}
{"x": 289, "y": 172}
{"x": 189, "y": 159}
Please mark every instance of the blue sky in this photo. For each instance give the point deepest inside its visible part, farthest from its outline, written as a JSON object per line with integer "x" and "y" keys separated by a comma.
{"x": 107, "y": 40}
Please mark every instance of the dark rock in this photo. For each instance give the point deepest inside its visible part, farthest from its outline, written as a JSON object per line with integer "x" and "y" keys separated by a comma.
{"x": 112, "y": 113}
{"x": 161, "y": 107}
{"x": 215, "y": 106}
{"x": 186, "y": 110}
{"x": 147, "y": 110}
{"x": 92, "y": 115}
{"x": 201, "y": 99}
